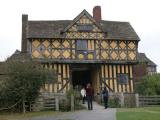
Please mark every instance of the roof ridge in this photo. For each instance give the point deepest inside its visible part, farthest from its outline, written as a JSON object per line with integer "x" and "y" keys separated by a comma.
{"x": 47, "y": 20}
{"x": 115, "y": 21}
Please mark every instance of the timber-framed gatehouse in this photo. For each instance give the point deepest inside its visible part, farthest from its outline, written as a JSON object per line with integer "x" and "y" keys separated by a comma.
{"x": 85, "y": 49}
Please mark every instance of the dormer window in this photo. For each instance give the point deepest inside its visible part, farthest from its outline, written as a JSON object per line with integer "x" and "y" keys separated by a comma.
{"x": 84, "y": 27}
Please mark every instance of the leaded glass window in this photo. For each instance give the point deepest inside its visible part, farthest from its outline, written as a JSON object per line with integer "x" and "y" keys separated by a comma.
{"x": 81, "y": 45}
{"x": 123, "y": 78}
{"x": 84, "y": 27}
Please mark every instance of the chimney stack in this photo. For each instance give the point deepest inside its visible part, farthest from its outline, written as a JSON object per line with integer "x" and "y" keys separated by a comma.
{"x": 97, "y": 13}
{"x": 24, "y": 33}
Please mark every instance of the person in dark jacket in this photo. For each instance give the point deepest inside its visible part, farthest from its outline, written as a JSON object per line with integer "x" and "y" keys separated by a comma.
{"x": 105, "y": 97}
{"x": 89, "y": 95}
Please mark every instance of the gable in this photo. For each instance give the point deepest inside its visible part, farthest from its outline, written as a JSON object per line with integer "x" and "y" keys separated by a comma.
{"x": 83, "y": 22}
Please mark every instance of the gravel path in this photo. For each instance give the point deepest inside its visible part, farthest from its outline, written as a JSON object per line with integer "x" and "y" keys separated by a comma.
{"x": 98, "y": 113}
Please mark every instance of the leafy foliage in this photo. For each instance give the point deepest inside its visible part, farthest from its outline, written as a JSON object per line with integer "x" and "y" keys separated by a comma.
{"x": 65, "y": 104}
{"x": 23, "y": 82}
{"x": 114, "y": 102}
{"x": 149, "y": 85}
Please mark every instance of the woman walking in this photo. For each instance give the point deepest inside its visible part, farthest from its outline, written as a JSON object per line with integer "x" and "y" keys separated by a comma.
{"x": 83, "y": 94}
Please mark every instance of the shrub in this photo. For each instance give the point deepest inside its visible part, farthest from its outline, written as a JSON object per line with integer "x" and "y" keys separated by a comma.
{"x": 23, "y": 83}
{"x": 65, "y": 104}
{"x": 149, "y": 85}
{"x": 114, "y": 101}
{"x": 129, "y": 100}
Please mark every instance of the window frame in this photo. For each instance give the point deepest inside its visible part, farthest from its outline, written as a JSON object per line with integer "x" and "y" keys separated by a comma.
{"x": 86, "y": 27}
{"x": 123, "y": 78}
{"x": 81, "y": 45}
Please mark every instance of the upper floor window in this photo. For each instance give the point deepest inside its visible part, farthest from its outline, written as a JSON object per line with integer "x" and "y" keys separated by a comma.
{"x": 81, "y": 45}
{"x": 84, "y": 27}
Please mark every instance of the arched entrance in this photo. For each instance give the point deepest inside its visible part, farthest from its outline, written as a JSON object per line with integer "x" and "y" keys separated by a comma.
{"x": 82, "y": 74}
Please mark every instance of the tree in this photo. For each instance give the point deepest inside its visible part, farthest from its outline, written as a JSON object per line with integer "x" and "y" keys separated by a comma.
{"x": 149, "y": 85}
{"x": 25, "y": 78}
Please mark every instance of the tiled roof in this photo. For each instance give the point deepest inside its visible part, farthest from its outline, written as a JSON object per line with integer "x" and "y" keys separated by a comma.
{"x": 46, "y": 29}
{"x": 19, "y": 56}
{"x": 143, "y": 58}
{"x": 2, "y": 68}
{"x": 55, "y": 29}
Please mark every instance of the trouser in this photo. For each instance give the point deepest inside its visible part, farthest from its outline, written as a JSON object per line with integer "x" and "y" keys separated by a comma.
{"x": 89, "y": 100}
{"x": 105, "y": 99}
{"x": 83, "y": 99}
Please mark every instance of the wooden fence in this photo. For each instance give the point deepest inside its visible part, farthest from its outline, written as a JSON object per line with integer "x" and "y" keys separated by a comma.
{"x": 48, "y": 101}
{"x": 149, "y": 100}
{"x": 135, "y": 100}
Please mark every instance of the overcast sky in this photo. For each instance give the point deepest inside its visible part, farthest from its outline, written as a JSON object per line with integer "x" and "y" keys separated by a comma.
{"x": 143, "y": 15}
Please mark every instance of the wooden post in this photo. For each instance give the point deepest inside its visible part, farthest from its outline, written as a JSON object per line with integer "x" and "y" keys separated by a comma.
{"x": 137, "y": 99}
{"x": 23, "y": 104}
{"x": 72, "y": 102}
{"x": 122, "y": 99}
{"x": 30, "y": 105}
{"x": 57, "y": 103}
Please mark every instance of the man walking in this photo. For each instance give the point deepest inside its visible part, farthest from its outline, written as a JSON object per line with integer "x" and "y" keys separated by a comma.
{"x": 105, "y": 97}
{"x": 89, "y": 95}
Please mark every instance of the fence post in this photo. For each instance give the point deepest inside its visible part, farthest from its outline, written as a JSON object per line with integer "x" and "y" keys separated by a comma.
{"x": 30, "y": 107}
{"x": 57, "y": 103}
{"x": 72, "y": 102}
{"x": 137, "y": 99}
{"x": 24, "y": 106}
{"x": 122, "y": 99}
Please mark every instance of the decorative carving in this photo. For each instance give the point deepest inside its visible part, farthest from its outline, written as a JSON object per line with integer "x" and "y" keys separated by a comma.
{"x": 132, "y": 55}
{"x": 35, "y": 43}
{"x": 35, "y": 54}
{"x": 113, "y": 44}
{"x": 46, "y": 53}
{"x": 66, "y": 44}
{"x": 104, "y": 54}
{"x": 123, "y": 55}
{"x": 84, "y": 35}
{"x": 122, "y": 45}
{"x": 104, "y": 44}
{"x": 90, "y": 56}
{"x": 56, "y": 44}
{"x": 46, "y": 43}
{"x": 81, "y": 56}
{"x": 131, "y": 45}
{"x": 114, "y": 55}
{"x": 55, "y": 53}
{"x": 66, "y": 54}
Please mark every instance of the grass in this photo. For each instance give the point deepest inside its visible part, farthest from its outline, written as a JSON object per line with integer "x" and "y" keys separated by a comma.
{"x": 18, "y": 116}
{"x": 146, "y": 113}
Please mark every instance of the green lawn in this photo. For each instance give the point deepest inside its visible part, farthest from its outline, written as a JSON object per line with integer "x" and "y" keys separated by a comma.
{"x": 147, "y": 113}
{"x": 18, "y": 116}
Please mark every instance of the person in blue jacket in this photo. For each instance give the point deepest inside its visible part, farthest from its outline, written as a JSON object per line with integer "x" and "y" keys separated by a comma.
{"x": 105, "y": 97}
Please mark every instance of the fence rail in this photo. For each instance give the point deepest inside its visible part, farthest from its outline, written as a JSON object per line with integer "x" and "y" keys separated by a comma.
{"x": 149, "y": 100}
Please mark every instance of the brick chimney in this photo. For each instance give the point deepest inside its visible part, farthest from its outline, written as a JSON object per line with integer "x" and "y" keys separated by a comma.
{"x": 24, "y": 33}
{"x": 97, "y": 13}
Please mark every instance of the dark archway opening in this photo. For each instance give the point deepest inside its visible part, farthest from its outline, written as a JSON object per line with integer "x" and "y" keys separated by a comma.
{"x": 81, "y": 78}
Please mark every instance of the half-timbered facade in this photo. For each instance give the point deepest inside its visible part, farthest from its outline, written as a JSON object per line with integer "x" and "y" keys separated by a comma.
{"x": 85, "y": 49}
